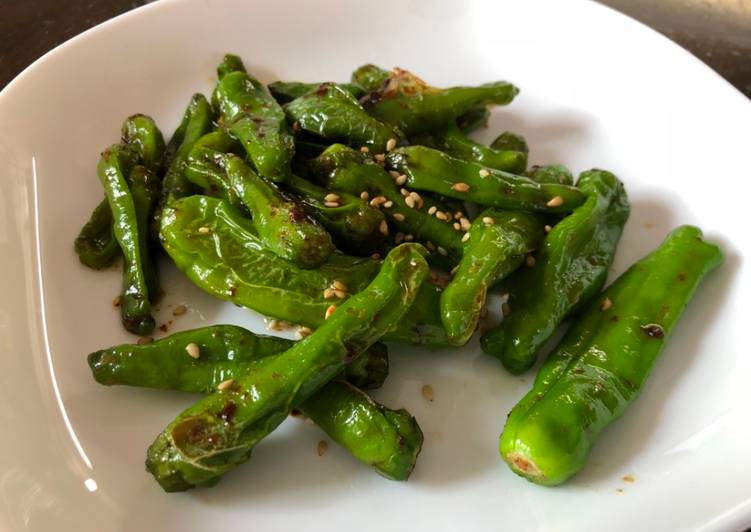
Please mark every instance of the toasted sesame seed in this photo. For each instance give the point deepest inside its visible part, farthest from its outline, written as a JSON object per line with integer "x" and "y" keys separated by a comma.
{"x": 487, "y": 220}
{"x": 380, "y": 157}
{"x": 394, "y": 174}
{"x": 628, "y": 478}
{"x": 364, "y": 195}
{"x": 338, "y": 285}
{"x": 506, "y": 309}
{"x": 457, "y": 226}
{"x": 530, "y": 261}
{"x": 302, "y": 331}
{"x": 442, "y": 251}
{"x": 323, "y": 446}
{"x": 225, "y": 385}
{"x": 179, "y": 310}
{"x": 428, "y": 392}
{"x": 441, "y": 215}
{"x": 606, "y": 304}
{"x": 388, "y": 204}
{"x": 193, "y": 350}
{"x": 391, "y": 144}
{"x": 404, "y": 192}
{"x": 399, "y": 238}
{"x": 329, "y": 312}
{"x": 331, "y": 203}
{"x": 399, "y": 217}
{"x": 144, "y": 340}
{"x": 341, "y": 294}
{"x": 277, "y": 325}
{"x": 203, "y": 230}
{"x": 432, "y": 210}
{"x": 410, "y": 201}
{"x": 384, "y": 228}
{"x": 376, "y": 256}
{"x": 465, "y": 223}
{"x": 460, "y": 187}
{"x": 458, "y": 215}
{"x": 378, "y": 200}
{"x": 409, "y": 237}
{"x": 365, "y": 149}
{"x": 465, "y": 237}
{"x": 331, "y": 197}
{"x": 117, "y": 301}
{"x": 430, "y": 245}
{"x": 484, "y": 173}
{"x": 548, "y": 228}
{"x": 555, "y": 201}
{"x": 454, "y": 270}
{"x": 328, "y": 293}
{"x": 400, "y": 180}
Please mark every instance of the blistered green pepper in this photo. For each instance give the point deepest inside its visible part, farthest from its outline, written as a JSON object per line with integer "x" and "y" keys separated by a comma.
{"x": 407, "y": 102}
{"x": 497, "y": 244}
{"x": 230, "y": 63}
{"x": 281, "y": 221}
{"x": 601, "y": 364}
{"x": 434, "y": 171}
{"x": 508, "y": 141}
{"x": 331, "y": 112}
{"x": 369, "y": 77}
{"x": 569, "y": 270}
{"x": 96, "y": 245}
{"x": 286, "y": 91}
{"x": 219, "y": 432}
{"x": 140, "y": 131}
{"x": 144, "y": 187}
{"x": 551, "y": 173}
{"x": 474, "y": 119}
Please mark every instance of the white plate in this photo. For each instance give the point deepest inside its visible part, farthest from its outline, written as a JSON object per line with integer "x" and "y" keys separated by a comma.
{"x": 598, "y": 89}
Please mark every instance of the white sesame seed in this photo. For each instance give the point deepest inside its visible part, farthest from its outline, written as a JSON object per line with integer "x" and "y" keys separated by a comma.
{"x": 457, "y": 226}
{"x": 388, "y": 204}
{"x": 193, "y": 350}
{"x": 338, "y": 285}
{"x": 454, "y": 270}
{"x": 487, "y": 220}
{"x": 378, "y": 200}
{"x": 442, "y": 251}
{"x": 399, "y": 217}
{"x": 394, "y": 174}
{"x": 329, "y": 312}
{"x": 384, "y": 228}
{"x": 432, "y": 210}
{"x": 428, "y": 392}
{"x": 530, "y": 261}
{"x": 484, "y": 173}
{"x": 441, "y": 215}
{"x": 460, "y": 187}
{"x": 606, "y": 304}
{"x": 400, "y": 180}
{"x": 341, "y": 294}
{"x": 465, "y": 223}
{"x": 225, "y": 385}
{"x": 404, "y": 192}
{"x": 458, "y": 215}
{"x": 376, "y": 256}
{"x": 465, "y": 237}
{"x": 203, "y": 230}
{"x": 302, "y": 332}
{"x": 380, "y": 157}
{"x": 331, "y": 197}
{"x": 179, "y": 310}
{"x": 331, "y": 204}
{"x": 391, "y": 144}
{"x": 365, "y": 149}
{"x": 410, "y": 201}
{"x": 364, "y": 195}
{"x": 328, "y": 293}
{"x": 399, "y": 238}
{"x": 548, "y": 228}
{"x": 556, "y": 201}
{"x": 409, "y": 238}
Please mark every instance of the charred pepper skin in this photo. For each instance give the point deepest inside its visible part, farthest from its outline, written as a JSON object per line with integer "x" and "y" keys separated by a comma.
{"x": 352, "y": 222}
{"x": 231, "y": 263}
{"x": 286, "y": 91}
{"x": 551, "y": 173}
{"x": 281, "y": 221}
{"x": 408, "y": 103}
{"x": 250, "y": 114}
{"x": 224, "y": 352}
{"x": 96, "y": 245}
{"x": 473, "y": 120}
{"x": 331, "y": 112}
{"x": 135, "y": 308}
{"x": 434, "y": 171}
{"x": 369, "y": 77}
{"x": 141, "y": 132}
{"x": 601, "y": 364}
{"x": 569, "y": 270}
{"x": 219, "y": 432}
{"x": 491, "y": 253}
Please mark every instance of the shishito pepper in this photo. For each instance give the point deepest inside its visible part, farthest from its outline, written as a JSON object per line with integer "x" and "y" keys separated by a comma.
{"x": 286, "y": 91}
{"x": 96, "y": 245}
{"x": 550, "y": 173}
{"x": 569, "y": 269}
{"x": 604, "y": 359}
{"x": 497, "y": 244}
{"x": 219, "y": 432}
{"x": 141, "y": 132}
{"x": 510, "y": 141}
{"x": 144, "y": 188}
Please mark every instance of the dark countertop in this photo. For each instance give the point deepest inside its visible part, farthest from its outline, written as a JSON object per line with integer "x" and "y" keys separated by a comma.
{"x": 716, "y": 31}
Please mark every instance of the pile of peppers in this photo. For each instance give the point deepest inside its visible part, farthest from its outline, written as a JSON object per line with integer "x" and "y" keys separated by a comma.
{"x": 364, "y": 213}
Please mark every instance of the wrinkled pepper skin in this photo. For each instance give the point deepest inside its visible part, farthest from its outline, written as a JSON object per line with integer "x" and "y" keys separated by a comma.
{"x": 388, "y": 440}
{"x": 230, "y": 63}
{"x": 231, "y": 263}
{"x": 140, "y": 132}
{"x": 602, "y": 362}
{"x": 434, "y": 171}
{"x": 408, "y": 103}
{"x": 342, "y": 168}
{"x": 369, "y": 77}
{"x": 96, "y": 245}
{"x": 473, "y": 120}
{"x": 135, "y": 307}
{"x": 353, "y": 223}
{"x": 225, "y": 352}
{"x": 569, "y": 270}
{"x": 286, "y": 91}
{"x": 551, "y": 173}
{"x": 492, "y": 252}
{"x": 331, "y": 112}
{"x": 144, "y": 187}
{"x": 451, "y": 140}
{"x": 251, "y": 115}
{"x": 508, "y": 141}
{"x": 219, "y": 432}
{"x": 280, "y": 221}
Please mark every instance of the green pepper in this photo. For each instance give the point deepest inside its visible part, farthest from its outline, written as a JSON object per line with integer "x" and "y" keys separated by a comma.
{"x": 434, "y": 171}
{"x": 96, "y": 245}
{"x": 352, "y": 222}
{"x": 601, "y": 364}
{"x": 230, "y": 63}
{"x": 473, "y": 120}
{"x": 217, "y": 248}
{"x": 369, "y": 78}
{"x": 280, "y": 221}
{"x": 331, "y": 112}
{"x": 550, "y": 173}
{"x": 508, "y": 141}
{"x": 251, "y": 115}
{"x": 569, "y": 270}
{"x": 144, "y": 188}
{"x": 286, "y": 91}
{"x": 221, "y": 352}
{"x": 219, "y": 432}
{"x": 408, "y": 103}
{"x": 141, "y": 132}
{"x": 135, "y": 308}
{"x": 342, "y": 168}
{"x": 497, "y": 244}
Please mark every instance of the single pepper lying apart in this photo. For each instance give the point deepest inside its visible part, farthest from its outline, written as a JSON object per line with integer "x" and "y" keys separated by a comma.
{"x": 219, "y": 432}
{"x": 604, "y": 359}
